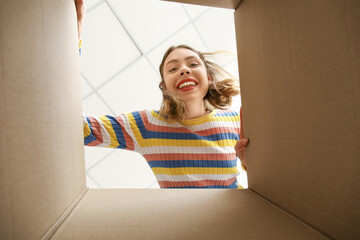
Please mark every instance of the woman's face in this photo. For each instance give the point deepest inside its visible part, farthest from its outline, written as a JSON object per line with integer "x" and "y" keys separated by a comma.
{"x": 185, "y": 75}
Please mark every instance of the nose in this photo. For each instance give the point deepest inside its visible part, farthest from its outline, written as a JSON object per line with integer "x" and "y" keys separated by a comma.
{"x": 182, "y": 73}
{"x": 184, "y": 70}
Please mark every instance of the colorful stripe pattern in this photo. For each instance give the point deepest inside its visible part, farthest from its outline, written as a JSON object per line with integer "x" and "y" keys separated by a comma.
{"x": 195, "y": 153}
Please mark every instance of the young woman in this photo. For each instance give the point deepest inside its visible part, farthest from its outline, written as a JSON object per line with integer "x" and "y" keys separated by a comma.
{"x": 191, "y": 142}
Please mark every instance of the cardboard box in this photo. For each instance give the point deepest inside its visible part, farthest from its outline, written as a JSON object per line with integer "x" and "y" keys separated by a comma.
{"x": 299, "y": 65}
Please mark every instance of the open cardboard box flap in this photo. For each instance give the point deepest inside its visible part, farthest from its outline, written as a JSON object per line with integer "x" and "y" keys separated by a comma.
{"x": 299, "y": 64}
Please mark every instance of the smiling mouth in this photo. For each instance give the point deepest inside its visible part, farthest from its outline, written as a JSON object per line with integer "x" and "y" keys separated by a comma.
{"x": 187, "y": 85}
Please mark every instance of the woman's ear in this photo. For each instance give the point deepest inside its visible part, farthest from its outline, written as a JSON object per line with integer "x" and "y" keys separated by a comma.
{"x": 162, "y": 86}
{"x": 209, "y": 79}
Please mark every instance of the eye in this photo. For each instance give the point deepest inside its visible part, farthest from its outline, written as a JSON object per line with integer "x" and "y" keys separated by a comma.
{"x": 172, "y": 69}
{"x": 194, "y": 65}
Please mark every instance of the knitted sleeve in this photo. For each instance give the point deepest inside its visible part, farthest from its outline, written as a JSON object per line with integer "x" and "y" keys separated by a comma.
{"x": 112, "y": 131}
{"x": 80, "y": 45}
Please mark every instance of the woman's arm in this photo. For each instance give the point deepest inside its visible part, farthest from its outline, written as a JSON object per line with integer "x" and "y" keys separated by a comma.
{"x": 241, "y": 144}
{"x": 80, "y": 12}
{"x": 108, "y": 131}
{"x": 103, "y": 131}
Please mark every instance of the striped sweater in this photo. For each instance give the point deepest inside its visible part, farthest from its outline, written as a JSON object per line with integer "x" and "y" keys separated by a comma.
{"x": 194, "y": 153}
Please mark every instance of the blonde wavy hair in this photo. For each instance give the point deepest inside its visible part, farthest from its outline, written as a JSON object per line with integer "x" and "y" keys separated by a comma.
{"x": 223, "y": 87}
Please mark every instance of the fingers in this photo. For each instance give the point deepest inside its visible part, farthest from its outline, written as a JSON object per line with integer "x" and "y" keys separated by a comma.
{"x": 240, "y": 145}
{"x": 79, "y": 2}
{"x": 241, "y": 126}
{"x": 242, "y": 142}
{"x": 241, "y": 153}
{"x": 80, "y": 9}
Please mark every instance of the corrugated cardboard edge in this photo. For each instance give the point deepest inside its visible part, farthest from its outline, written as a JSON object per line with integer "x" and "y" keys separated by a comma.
{"x": 67, "y": 213}
{"x": 238, "y": 5}
{"x": 229, "y": 4}
{"x": 58, "y": 223}
{"x": 299, "y": 220}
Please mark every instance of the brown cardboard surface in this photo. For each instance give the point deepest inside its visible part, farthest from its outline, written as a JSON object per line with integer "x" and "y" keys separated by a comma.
{"x": 299, "y": 71}
{"x": 42, "y": 168}
{"x": 300, "y": 82}
{"x": 5, "y": 200}
{"x": 232, "y": 4}
{"x": 179, "y": 214}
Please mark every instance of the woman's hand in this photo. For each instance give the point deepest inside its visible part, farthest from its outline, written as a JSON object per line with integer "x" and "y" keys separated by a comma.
{"x": 240, "y": 150}
{"x": 242, "y": 143}
{"x": 80, "y": 12}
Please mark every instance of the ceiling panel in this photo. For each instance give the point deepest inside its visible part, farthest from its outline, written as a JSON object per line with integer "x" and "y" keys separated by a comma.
{"x": 94, "y": 105}
{"x": 89, "y": 4}
{"x": 93, "y": 155}
{"x": 149, "y": 22}
{"x": 134, "y": 89}
{"x": 194, "y": 10}
{"x": 187, "y": 35}
{"x": 90, "y": 182}
{"x": 123, "y": 169}
{"x": 85, "y": 88}
{"x": 107, "y": 46}
{"x": 215, "y": 25}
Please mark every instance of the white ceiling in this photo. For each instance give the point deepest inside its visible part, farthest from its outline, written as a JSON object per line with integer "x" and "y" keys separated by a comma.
{"x": 123, "y": 44}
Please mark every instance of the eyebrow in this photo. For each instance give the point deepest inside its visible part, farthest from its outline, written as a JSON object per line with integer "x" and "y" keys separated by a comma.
{"x": 175, "y": 60}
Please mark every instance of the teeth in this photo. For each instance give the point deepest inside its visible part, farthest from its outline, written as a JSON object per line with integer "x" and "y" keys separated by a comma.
{"x": 186, "y": 84}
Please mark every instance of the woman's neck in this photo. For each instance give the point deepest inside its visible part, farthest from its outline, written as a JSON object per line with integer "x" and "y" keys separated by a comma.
{"x": 195, "y": 109}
